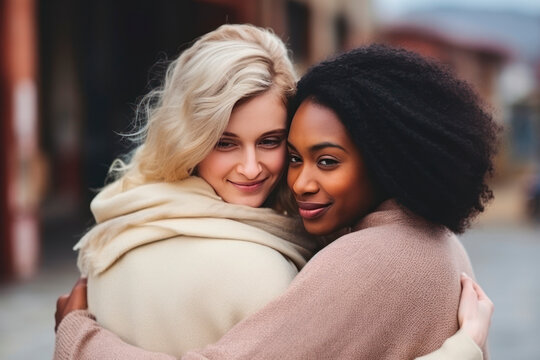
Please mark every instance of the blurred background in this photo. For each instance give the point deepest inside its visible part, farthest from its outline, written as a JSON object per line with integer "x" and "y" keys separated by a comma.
{"x": 72, "y": 72}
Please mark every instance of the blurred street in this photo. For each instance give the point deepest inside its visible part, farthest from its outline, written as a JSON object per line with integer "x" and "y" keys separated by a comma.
{"x": 504, "y": 252}
{"x": 73, "y": 72}
{"x": 27, "y": 312}
{"x": 27, "y": 307}
{"x": 505, "y": 261}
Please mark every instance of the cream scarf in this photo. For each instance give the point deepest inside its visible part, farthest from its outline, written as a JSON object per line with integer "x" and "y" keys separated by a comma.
{"x": 128, "y": 218}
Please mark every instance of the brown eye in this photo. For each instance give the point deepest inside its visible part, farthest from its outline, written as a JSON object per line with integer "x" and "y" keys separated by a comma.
{"x": 327, "y": 163}
{"x": 294, "y": 159}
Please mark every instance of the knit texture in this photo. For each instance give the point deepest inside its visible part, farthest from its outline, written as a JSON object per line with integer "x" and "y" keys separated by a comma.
{"x": 387, "y": 291}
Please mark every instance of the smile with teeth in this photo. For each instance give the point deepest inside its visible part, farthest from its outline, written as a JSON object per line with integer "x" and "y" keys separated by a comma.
{"x": 311, "y": 211}
{"x": 248, "y": 186}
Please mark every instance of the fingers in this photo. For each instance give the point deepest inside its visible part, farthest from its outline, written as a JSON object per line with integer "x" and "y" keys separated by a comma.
{"x": 468, "y": 292}
{"x": 61, "y": 302}
{"x": 484, "y": 299}
{"x": 481, "y": 294}
{"x": 475, "y": 310}
{"x": 467, "y": 285}
{"x": 468, "y": 302}
{"x": 76, "y": 300}
{"x": 79, "y": 287}
{"x": 81, "y": 282}
{"x": 466, "y": 281}
{"x": 60, "y": 305}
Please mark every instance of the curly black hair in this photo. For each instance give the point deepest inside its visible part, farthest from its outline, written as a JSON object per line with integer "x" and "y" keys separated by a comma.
{"x": 425, "y": 136}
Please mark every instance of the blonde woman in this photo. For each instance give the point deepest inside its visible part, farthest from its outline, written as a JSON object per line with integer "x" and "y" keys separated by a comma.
{"x": 221, "y": 115}
{"x": 192, "y": 237}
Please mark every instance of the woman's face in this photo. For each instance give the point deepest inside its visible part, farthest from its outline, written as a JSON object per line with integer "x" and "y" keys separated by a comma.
{"x": 248, "y": 160}
{"x": 326, "y": 171}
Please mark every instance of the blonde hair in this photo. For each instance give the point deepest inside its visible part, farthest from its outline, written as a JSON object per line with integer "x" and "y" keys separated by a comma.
{"x": 184, "y": 119}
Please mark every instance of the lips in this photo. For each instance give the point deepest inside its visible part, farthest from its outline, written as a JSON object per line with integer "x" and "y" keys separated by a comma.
{"x": 250, "y": 186}
{"x": 310, "y": 211}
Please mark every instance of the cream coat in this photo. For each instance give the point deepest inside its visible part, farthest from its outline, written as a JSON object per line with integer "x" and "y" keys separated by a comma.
{"x": 172, "y": 267}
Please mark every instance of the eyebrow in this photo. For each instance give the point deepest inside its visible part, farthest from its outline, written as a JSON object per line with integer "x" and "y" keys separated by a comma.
{"x": 271, "y": 132}
{"x": 319, "y": 146}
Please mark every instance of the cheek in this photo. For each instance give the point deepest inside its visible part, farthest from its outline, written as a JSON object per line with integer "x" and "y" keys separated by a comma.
{"x": 345, "y": 188}
{"x": 214, "y": 166}
{"x": 291, "y": 177}
{"x": 358, "y": 197}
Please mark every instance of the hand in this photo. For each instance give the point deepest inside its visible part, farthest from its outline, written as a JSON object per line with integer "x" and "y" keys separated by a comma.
{"x": 475, "y": 311}
{"x": 76, "y": 300}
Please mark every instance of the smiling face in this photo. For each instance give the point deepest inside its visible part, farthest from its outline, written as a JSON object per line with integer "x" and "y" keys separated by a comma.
{"x": 248, "y": 160}
{"x": 326, "y": 171}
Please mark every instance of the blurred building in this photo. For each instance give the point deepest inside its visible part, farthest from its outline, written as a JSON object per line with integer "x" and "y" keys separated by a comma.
{"x": 20, "y": 157}
{"x": 317, "y": 29}
{"x": 75, "y": 73}
{"x": 478, "y": 61}
{"x": 498, "y": 52}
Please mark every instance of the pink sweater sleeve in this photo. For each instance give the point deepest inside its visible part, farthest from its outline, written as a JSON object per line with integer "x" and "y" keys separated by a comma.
{"x": 80, "y": 337}
{"x": 363, "y": 297}
{"x": 343, "y": 304}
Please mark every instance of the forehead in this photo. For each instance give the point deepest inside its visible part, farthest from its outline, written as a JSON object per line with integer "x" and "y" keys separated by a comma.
{"x": 261, "y": 113}
{"x": 316, "y": 122}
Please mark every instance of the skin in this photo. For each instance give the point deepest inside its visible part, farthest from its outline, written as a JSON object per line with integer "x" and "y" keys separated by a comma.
{"x": 330, "y": 172}
{"x": 327, "y": 173}
{"x": 76, "y": 300}
{"x": 475, "y": 310}
{"x": 249, "y": 159}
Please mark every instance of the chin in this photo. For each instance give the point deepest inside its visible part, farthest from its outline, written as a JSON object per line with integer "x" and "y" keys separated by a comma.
{"x": 255, "y": 203}
{"x": 318, "y": 229}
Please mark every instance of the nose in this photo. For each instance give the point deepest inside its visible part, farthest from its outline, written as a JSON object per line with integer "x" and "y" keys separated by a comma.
{"x": 250, "y": 165}
{"x": 303, "y": 181}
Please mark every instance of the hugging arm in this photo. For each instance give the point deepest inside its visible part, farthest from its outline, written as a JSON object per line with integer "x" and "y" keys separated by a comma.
{"x": 474, "y": 316}
{"x": 80, "y": 337}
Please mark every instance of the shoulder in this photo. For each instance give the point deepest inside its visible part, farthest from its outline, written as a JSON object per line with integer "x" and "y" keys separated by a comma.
{"x": 397, "y": 256}
{"x": 228, "y": 268}
{"x": 216, "y": 256}
{"x": 401, "y": 241}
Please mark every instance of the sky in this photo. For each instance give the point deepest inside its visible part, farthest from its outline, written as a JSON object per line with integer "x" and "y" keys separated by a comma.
{"x": 392, "y": 8}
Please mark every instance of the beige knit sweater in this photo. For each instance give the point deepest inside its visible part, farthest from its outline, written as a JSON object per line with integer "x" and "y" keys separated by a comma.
{"x": 171, "y": 267}
{"x": 388, "y": 291}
